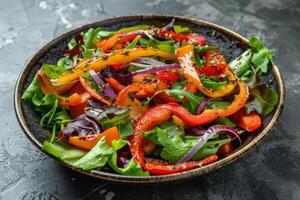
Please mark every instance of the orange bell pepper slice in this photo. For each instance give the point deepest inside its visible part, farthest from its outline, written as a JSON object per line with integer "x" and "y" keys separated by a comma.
{"x": 116, "y": 57}
{"x": 92, "y": 91}
{"x": 87, "y": 142}
{"x": 45, "y": 84}
{"x": 185, "y": 56}
{"x": 124, "y": 100}
{"x": 75, "y": 99}
{"x": 107, "y": 44}
{"x": 250, "y": 122}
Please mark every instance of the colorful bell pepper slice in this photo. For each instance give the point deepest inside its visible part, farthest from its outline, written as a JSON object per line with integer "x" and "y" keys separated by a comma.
{"x": 87, "y": 142}
{"x": 185, "y": 56}
{"x": 92, "y": 91}
{"x": 116, "y": 57}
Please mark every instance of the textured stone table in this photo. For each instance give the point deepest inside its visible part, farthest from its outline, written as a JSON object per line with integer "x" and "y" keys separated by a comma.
{"x": 271, "y": 171}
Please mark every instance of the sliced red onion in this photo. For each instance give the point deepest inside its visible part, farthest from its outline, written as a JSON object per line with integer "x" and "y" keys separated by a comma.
{"x": 202, "y": 105}
{"x": 139, "y": 65}
{"x": 109, "y": 92}
{"x": 169, "y": 26}
{"x": 156, "y": 69}
{"x": 106, "y": 90}
{"x": 96, "y": 78}
{"x": 149, "y": 61}
{"x": 215, "y": 129}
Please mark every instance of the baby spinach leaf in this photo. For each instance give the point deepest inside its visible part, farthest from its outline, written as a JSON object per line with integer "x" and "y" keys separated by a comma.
{"x": 132, "y": 169}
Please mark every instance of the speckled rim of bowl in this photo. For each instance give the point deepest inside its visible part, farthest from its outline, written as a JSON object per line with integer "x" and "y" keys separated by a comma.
{"x": 151, "y": 179}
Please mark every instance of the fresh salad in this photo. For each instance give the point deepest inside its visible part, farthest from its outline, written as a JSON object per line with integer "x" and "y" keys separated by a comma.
{"x": 145, "y": 100}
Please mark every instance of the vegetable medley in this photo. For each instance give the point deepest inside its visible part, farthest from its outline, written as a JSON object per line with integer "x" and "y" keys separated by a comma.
{"x": 145, "y": 100}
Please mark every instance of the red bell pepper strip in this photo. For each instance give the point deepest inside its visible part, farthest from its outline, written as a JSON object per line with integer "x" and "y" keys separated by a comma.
{"x": 158, "y": 167}
{"x": 185, "y": 57}
{"x": 168, "y": 77}
{"x": 124, "y": 38}
{"x": 188, "y": 37}
{"x": 92, "y": 91}
{"x": 163, "y": 112}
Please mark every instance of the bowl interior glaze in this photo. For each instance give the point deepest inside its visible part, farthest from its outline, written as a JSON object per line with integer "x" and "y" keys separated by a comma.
{"x": 230, "y": 44}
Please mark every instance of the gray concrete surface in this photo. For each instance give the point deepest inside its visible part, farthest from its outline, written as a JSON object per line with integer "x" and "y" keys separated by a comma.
{"x": 270, "y": 172}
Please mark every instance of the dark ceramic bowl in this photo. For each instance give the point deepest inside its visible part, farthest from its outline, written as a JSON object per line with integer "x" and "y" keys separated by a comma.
{"x": 231, "y": 44}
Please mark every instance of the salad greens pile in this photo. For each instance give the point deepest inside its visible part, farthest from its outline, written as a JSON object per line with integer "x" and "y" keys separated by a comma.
{"x": 142, "y": 114}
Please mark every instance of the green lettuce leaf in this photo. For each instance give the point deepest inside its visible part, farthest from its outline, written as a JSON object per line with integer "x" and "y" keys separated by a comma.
{"x": 53, "y": 71}
{"x": 90, "y": 37}
{"x": 194, "y": 100}
{"x": 132, "y": 169}
{"x": 242, "y": 63}
{"x": 32, "y": 89}
{"x": 212, "y": 84}
{"x": 264, "y": 100}
{"x": 96, "y": 158}
{"x": 181, "y": 29}
{"x": 175, "y": 144}
{"x": 134, "y": 42}
{"x": 134, "y": 28}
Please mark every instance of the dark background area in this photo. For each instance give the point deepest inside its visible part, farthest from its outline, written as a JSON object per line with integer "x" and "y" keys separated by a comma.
{"x": 270, "y": 172}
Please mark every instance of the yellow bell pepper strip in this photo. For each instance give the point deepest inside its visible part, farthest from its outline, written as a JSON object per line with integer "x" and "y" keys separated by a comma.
{"x": 92, "y": 91}
{"x": 163, "y": 112}
{"x": 116, "y": 57}
{"x": 185, "y": 56}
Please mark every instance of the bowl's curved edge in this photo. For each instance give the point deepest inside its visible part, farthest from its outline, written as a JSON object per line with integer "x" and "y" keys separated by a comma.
{"x": 152, "y": 179}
